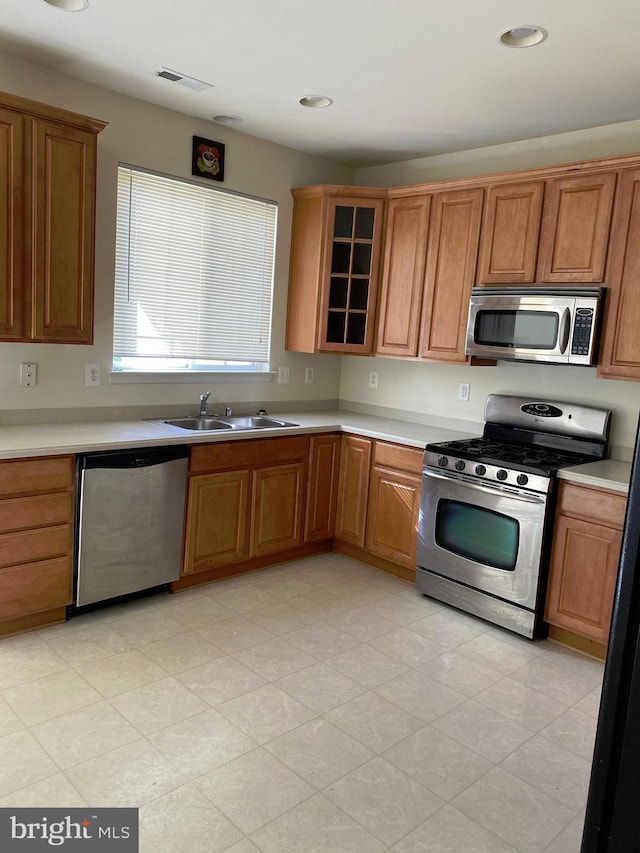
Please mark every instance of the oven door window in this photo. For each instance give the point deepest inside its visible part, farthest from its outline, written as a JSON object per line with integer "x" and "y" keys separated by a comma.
{"x": 519, "y": 329}
{"x": 481, "y": 535}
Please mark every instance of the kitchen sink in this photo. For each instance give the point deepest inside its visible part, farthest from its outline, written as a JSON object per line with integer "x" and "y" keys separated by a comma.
{"x": 255, "y": 422}
{"x": 200, "y": 423}
{"x": 232, "y": 422}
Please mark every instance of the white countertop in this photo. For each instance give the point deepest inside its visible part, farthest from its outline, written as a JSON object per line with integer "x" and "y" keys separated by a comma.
{"x": 606, "y": 474}
{"x": 57, "y": 438}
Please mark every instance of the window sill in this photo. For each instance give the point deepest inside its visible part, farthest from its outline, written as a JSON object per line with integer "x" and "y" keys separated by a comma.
{"x": 213, "y": 376}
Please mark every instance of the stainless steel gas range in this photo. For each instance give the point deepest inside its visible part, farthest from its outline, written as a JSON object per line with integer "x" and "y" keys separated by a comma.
{"x": 486, "y": 513}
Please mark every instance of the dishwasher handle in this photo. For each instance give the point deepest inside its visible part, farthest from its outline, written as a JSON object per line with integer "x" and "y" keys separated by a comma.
{"x": 143, "y": 457}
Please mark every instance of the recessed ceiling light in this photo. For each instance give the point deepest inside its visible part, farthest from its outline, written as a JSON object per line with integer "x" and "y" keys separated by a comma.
{"x": 526, "y": 35}
{"x": 68, "y": 5}
{"x": 316, "y": 102}
{"x": 230, "y": 120}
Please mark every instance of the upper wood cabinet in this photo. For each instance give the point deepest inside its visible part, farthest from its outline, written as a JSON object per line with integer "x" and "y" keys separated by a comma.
{"x": 576, "y": 219}
{"x": 621, "y": 347}
{"x": 333, "y": 278}
{"x": 47, "y": 211}
{"x": 510, "y": 233}
{"x": 402, "y": 284}
{"x": 452, "y": 254}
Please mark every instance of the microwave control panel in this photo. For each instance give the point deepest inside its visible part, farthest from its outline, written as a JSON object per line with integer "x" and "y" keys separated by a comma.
{"x": 582, "y": 330}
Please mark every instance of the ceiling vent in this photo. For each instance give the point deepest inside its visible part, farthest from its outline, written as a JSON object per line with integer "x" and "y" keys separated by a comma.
{"x": 181, "y": 79}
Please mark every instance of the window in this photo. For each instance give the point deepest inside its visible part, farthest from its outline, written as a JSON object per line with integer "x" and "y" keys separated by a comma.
{"x": 194, "y": 276}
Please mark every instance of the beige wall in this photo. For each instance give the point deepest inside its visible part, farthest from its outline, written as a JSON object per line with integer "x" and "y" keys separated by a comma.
{"x": 432, "y": 389}
{"x": 146, "y": 135}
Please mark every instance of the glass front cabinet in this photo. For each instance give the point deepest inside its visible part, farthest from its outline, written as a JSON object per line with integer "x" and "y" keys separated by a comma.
{"x": 335, "y": 256}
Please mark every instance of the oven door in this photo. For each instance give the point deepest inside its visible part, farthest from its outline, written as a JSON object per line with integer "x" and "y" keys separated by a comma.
{"x": 486, "y": 537}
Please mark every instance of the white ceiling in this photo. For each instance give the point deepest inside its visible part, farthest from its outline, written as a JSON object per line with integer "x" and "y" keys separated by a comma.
{"x": 409, "y": 78}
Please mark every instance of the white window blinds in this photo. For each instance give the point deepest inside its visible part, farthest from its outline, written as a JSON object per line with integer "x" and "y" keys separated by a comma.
{"x": 194, "y": 271}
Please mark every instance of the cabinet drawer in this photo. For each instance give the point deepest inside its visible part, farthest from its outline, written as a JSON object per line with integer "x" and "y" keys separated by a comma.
{"x": 36, "y": 587}
{"x": 593, "y": 504}
{"x": 395, "y": 456}
{"x": 29, "y": 476}
{"x": 35, "y": 511}
{"x": 243, "y": 454}
{"x": 32, "y": 545}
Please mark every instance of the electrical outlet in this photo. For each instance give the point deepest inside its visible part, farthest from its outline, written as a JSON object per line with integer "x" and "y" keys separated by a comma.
{"x": 308, "y": 375}
{"x": 28, "y": 374}
{"x": 92, "y": 374}
{"x": 283, "y": 376}
{"x": 373, "y": 380}
{"x": 464, "y": 389}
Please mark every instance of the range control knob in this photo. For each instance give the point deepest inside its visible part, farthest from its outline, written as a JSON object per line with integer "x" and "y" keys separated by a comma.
{"x": 522, "y": 479}
{"x": 481, "y": 470}
{"x": 502, "y": 474}
{"x": 443, "y": 461}
{"x": 460, "y": 466}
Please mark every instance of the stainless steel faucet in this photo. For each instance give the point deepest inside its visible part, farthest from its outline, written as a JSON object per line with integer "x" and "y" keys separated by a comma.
{"x": 228, "y": 411}
{"x": 203, "y": 403}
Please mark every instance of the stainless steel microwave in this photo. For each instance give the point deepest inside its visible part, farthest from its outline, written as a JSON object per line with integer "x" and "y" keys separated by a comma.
{"x": 552, "y": 325}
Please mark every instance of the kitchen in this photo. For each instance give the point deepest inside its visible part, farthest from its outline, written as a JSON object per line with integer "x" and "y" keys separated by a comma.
{"x": 145, "y": 134}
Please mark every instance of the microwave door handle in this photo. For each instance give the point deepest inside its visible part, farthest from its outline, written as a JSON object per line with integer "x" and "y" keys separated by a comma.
{"x": 565, "y": 328}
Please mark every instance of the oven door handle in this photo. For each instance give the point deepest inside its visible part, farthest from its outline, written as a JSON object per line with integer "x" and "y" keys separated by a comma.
{"x": 492, "y": 489}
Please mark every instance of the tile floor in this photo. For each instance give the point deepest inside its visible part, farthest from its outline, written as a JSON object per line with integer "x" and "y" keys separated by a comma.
{"x": 315, "y": 706}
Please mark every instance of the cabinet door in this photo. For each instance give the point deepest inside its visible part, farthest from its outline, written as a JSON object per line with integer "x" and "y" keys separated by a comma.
{"x": 582, "y": 577}
{"x": 322, "y": 493}
{"x": 510, "y": 233}
{"x": 277, "y": 509}
{"x": 621, "y": 347}
{"x": 452, "y": 255}
{"x": 575, "y": 228}
{"x": 217, "y": 513}
{"x": 11, "y": 225}
{"x": 403, "y": 276}
{"x": 392, "y": 521}
{"x": 353, "y": 487}
{"x": 63, "y": 178}
{"x": 350, "y": 275}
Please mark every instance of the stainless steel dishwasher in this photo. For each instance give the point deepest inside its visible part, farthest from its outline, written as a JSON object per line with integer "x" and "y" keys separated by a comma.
{"x": 130, "y": 517}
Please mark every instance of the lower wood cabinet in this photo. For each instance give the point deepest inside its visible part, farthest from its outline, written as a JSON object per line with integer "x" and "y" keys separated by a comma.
{"x": 378, "y": 504}
{"x": 36, "y": 541}
{"x": 277, "y": 508}
{"x": 353, "y": 488}
{"x": 584, "y": 566}
{"x": 324, "y": 468}
{"x": 394, "y": 503}
{"x": 255, "y": 501}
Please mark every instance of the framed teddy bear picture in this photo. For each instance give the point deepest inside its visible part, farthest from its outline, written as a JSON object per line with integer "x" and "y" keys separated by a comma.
{"x": 207, "y": 159}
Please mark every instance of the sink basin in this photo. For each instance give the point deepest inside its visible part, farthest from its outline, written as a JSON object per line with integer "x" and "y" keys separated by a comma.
{"x": 255, "y": 422}
{"x": 228, "y": 423}
{"x": 199, "y": 423}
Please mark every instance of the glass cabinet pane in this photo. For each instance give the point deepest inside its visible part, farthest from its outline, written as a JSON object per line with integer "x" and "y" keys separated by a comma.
{"x": 338, "y": 292}
{"x": 341, "y": 258}
{"x": 359, "y": 294}
{"x": 356, "y": 328}
{"x": 343, "y": 222}
{"x": 335, "y": 327}
{"x": 361, "y": 264}
{"x": 365, "y": 220}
